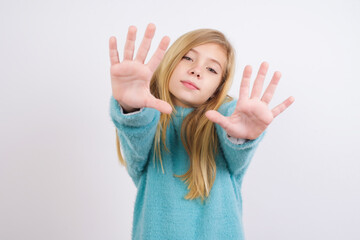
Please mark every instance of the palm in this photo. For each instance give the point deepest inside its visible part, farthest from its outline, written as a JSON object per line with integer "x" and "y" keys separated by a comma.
{"x": 130, "y": 79}
{"x": 252, "y": 114}
{"x": 249, "y": 119}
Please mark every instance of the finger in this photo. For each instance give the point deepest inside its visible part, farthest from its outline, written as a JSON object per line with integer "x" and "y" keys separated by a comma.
{"x": 158, "y": 104}
{"x": 270, "y": 90}
{"x": 113, "y": 52}
{"x": 259, "y": 81}
{"x": 130, "y": 43}
{"x": 145, "y": 44}
{"x": 245, "y": 83}
{"x": 159, "y": 54}
{"x": 281, "y": 107}
{"x": 216, "y": 117}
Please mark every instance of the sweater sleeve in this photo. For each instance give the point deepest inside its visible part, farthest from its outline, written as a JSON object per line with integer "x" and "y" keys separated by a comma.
{"x": 136, "y": 133}
{"x": 237, "y": 154}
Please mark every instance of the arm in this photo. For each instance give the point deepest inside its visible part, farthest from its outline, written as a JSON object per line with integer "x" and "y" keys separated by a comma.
{"x": 247, "y": 118}
{"x": 136, "y": 132}
{"x": 130, "y": 83}
{"x": 237, "y": 152}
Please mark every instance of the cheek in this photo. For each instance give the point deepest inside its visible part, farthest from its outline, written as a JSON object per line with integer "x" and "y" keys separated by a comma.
{"x": 174, "y": 76}
{"x": 173, "y": 83}
{"x": 213, "y": 86}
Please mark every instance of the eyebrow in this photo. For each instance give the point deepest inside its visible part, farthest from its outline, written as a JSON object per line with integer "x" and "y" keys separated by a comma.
{"x": 211, "y": 59}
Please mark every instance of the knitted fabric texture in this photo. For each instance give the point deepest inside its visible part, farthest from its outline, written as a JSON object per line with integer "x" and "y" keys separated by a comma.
{"x": 161, "y": 211}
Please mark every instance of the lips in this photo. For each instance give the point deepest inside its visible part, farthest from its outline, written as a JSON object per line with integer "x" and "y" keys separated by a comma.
{"x": 190, "y": 85}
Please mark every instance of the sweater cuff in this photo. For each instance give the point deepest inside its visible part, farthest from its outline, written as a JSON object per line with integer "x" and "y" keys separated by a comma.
{"x": 130, "y": 113}
{"x": 236, "y": 140}
{"x": 235, "y": 143}
{"x": 139, "y": 118}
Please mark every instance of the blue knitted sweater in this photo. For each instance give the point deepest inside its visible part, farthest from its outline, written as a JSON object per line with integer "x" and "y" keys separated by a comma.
{"x": 161, "y": 211}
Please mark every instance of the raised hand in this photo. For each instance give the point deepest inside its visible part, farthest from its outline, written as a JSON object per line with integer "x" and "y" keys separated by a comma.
{"x": 252, "y": 114}
{"x": 130, "y": 79}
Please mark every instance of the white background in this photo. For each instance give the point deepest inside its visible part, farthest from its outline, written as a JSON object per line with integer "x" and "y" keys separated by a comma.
{"x": 59, "y": 173}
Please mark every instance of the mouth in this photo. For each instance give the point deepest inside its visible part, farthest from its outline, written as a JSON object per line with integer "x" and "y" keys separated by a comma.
{"x": 190, "y": 85}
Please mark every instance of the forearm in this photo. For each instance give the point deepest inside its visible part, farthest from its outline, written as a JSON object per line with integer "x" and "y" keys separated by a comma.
{"x": 136, "y": 132}
{"x": 237, "y": 152}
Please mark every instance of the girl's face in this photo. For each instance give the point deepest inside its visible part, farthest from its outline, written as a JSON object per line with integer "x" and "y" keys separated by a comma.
{"x": 197, "y": 75}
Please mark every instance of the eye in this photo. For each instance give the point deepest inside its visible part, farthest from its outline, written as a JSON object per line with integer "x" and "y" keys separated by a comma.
{"x": 212, "y": 70}
{"x": 187, "y": 58}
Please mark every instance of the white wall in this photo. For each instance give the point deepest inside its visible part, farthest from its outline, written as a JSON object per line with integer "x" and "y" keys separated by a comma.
{"x": 59, "y": 173}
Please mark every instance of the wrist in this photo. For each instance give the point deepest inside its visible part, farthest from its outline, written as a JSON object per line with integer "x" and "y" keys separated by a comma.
{"x": 127, "y": 109}
{"x": 130, "y": 111}
{"x": 236, "y": 140}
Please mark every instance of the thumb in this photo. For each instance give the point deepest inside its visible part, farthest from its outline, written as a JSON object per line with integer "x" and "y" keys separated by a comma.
{"x": 216, "y": 117}
{"x": 158, "y": 104}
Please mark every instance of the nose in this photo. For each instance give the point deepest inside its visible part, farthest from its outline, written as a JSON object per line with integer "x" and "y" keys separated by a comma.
{"x": 196, "y": 71}
{"x": 197, "y": 74}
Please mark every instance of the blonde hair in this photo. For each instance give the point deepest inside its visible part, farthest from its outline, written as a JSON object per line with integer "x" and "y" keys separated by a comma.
{"x": 196, "y": 127}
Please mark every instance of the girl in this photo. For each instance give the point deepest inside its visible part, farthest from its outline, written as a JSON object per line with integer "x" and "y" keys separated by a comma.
{"x": 174, "y": 112}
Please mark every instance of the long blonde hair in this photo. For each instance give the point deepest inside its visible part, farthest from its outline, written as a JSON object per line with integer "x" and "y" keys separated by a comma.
{"x": 196, "y": 129}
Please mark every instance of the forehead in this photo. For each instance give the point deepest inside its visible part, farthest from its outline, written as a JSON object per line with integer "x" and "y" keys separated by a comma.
{"x": 211, "y": 51}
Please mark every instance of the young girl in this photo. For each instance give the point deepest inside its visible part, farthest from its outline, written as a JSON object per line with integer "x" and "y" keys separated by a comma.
{"x": 173, "y": 114}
